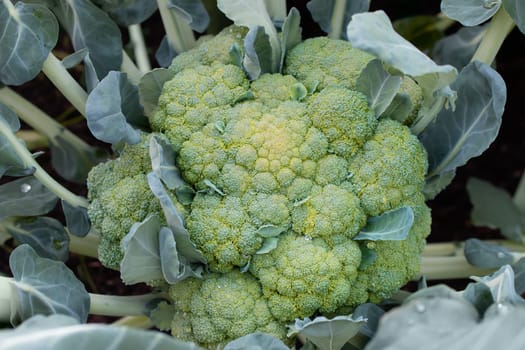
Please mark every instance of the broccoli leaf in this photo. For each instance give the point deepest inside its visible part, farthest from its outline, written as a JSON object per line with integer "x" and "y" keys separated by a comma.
{"x": 113, "y": 109}
{"x": 90, "y": 27}
{"x": 457, "y": 49}
{"x": 501, "y": 284}
{"x": 485, "y": 255}
{"x": 322, "y": 12}
{"x": 128, "y": 12}
{"x": 77, "y": 219}
{"x": 10, "y": 163}
{"x": 329, "y": 334}
{"x": 519, "y": 275}
{"x": 460, "y": 134}
{"x": 165, "y": 53}
{"x": 45, "y": 235}
{"x": 25, "y": 197}
{"x": 399, "y": 109}
{"x": 393, "y": 225}
{"x": 258, "y": 53}
{"x": 29, "y": 33}
{"x": 470, "y": 12}
{"x": 291, "y": 33}
{"x": 372, "y": 314}
{"x": 150, "y": 88}
{"x": 436, "y": 184}
{"x": 256, "y": 341}
{"x": 58, "y": 332}
{"x": 193, "y": 12}
{"x": 516, "y": 10}
{"x": 378, "y": 85}
{"x": 44, "y": 286}
{"x": 253, "y": 13}
{"x": 494, "y": 207}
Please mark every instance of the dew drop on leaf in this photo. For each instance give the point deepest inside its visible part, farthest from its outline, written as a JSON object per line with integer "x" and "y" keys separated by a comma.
{"x": 420, "y": 308}
{"x": 24, "y": 188}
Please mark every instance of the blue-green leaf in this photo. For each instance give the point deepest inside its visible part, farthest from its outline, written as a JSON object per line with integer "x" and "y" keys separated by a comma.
{"x": 59, "y": 332}
{"x": 438, "y": 183}
{"x": 90, "y": 27}
{"x": 10, "y": 163}
{"x": 193, "y": 12}
{"x": 45, "y": 235}
{"x": 519, "y": 276}
{"x": 291, "y": 33}
{"x": 470, "y": 12}
{"x": 29, "y": 33}
{"x": 457, "y": 49}
{"x": 165, "y": 53}
{"x": 494, "y": 207}
{"x": 328, "y": 334}
{"x": 128, "y": 12}
{"x": 368, "y": 257}
{"x": 479, "y": 295}
{"x": 486, "y": 255}
{"x": 44, "y": 286}
{"x": 378, "y": 85}
{"x": 393, "y": 225}
{"x": 113, "y": 110}
{"x": 322, "y": 12}
{"x": 501, "y": 284}
{"x": 516, "y": 10}
{"x": 399, "y": 109}
{"x": 256, "y": 341}
{"x": 253, "y": 13}
{"x": 258, "y": 53}
{"x": 175, "y": 221}
{"x": 77, "y": 219}
{"x": 371, "y": 313}
{"x": 25, "y": 197}
{"x": 150, "y": 88}
{"x": 460, "y": 134}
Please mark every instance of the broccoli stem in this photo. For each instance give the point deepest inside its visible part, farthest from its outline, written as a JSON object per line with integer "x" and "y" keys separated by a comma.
{"x": 519, "y": 195}
{"x": 40, "y": 174}
{"x": 39, "y": 120}
{"x": 87, "y": 245}
{"x": 141, "y": 322}
{"x": 33, "y": 139}
{"x": 337, "y": 20}
{"x": 64, "y": 82}
{"x": 499, "y": 27}
{"x": 113, "y": 305}
{"x": 129, "y": 67}
{"x": 139, "y": 47}
{"x": 180, "y": 35}
{"x": 5, "y": 299}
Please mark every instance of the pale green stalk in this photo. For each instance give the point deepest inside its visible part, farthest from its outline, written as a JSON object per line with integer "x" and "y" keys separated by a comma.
{"x": 139, "y": 48}
{"x": 337, "y": 21}
{"x": 111, "y": 305}
{"x": 86, "y": 246}
{"x": 6, "y": 294}
{"x": 129, "y": 67}
{"x": 63, "y": 81}
{"x": 40, "y": 174}
{"x": 140, "y": 322}
{"x": 519, "y": 195}
{"x": 499, "y": 27}
{"x": 276, "y": 9}
{"x": 33, "y": 139}
{"x": 180, "y": 35}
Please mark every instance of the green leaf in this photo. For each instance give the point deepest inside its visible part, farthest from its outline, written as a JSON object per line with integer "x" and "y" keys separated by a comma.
{"x": 291, "y": 33}
{"x": 322, "y": 12}
{"x": 485, "y": 255}
{"x": 91, "y": 28}
{"x": 59, "y": 332}
{"x": 378, "y": 85}
{"x": 257, "y": 53}
{"x": 393, "y": 225}
{"x": 29, "y": 33}
{"x": 493, "y": 207}
{"x": 516, "y": 10}
{"x": 163, "y": 162}
{"x": 150, "y": 88}
{"x": 422, "y": 30}
{"x": 44, "y": 286}
{"x": 256, "y": 341}
{"x": 269, "y": 244}
{"x": 77, "y": 219}
{"x": 45, "y": 235}
{"x": 128, "y": 12}
{"x": 175, "y": 221}
{"x": 372, "y": 314}
{"x": 10, "y": 162}
{"x": 25, "y": 197}
{"x": 193, "y": 12}
{"x": 399, "y": 109}
{"x": 457, "y": 49}
{"x": 162, "y": 315}
{"x": 470, "y": 12}
{"x": 501, "y": 284}
{"x": 479, "y": 295}
{"x": 113, "y": 110}
{"x": 174, "y": 267}
{"x": 436, "y": 184}
{"x": 328, "y": 334}
{"x": 368, "y": 257}
{"x": 270, "y": 230}
{"x": 253, "y": 13}
{"x": 477, "y": 118}
{"x": 165, "y": 53}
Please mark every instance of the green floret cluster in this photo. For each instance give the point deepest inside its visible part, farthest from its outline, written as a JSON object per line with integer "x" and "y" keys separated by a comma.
{"x": 287, "y": 170}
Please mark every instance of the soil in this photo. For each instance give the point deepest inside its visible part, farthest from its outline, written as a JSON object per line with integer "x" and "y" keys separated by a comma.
{"x": 502, "y": 164}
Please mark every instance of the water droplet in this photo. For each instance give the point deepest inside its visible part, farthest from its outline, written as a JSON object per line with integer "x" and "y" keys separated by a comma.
{"x": 501, "y": 308}
{"x": 488, "y": 4}
{"x": 24, "y": 188}
{"x": 421, "y": 308}
{"x": 307, "y": 238}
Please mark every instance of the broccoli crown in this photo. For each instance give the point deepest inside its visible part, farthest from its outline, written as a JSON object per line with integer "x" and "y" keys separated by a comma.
{"x": 287, "y": 170}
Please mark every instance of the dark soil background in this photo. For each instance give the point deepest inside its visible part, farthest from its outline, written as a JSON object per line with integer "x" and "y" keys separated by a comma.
{"x": 502, "y": 164}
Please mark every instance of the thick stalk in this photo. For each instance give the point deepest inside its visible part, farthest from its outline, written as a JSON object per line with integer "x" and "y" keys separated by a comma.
{"x": 139, "y": 48}
{"x": 5, "y": 299}
{"x": 180, "y": 35}
{"x": 129, "y": 67}
{"x": 337, "y": 21}
{"x": 141, "y": 322}
{"x": 110, "y": 305}
{"x": 38, "y": 119}
{"x": 499, "y": 27}
{"x": 40, "y": 174}
{"x": 519, "y": 195}
{"x": 32, "y": 139}
{"x": 86, "y": 246}
{"x": 64, "y": 82}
